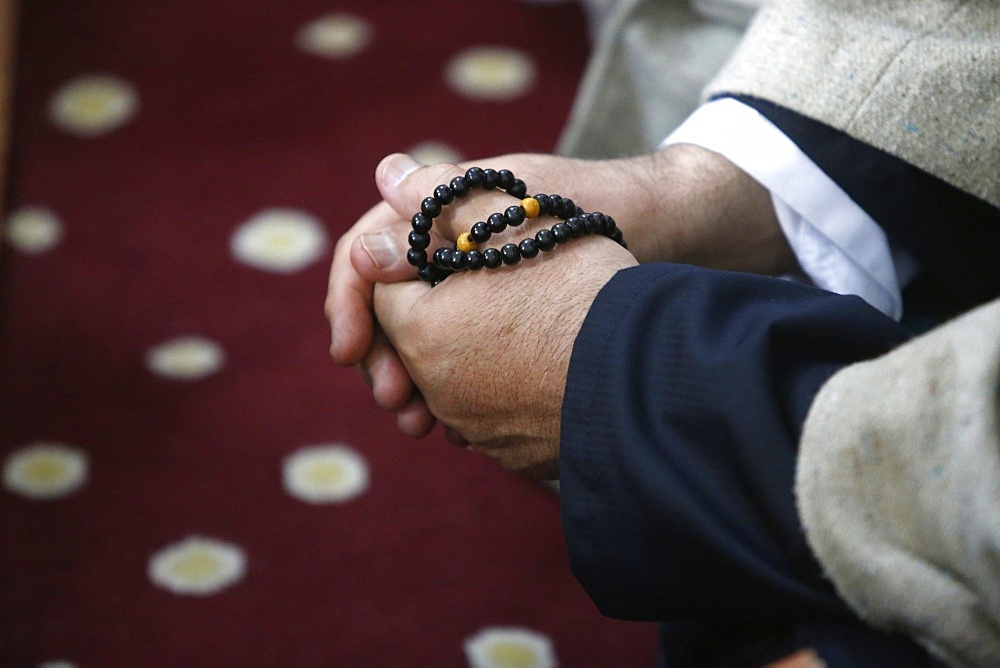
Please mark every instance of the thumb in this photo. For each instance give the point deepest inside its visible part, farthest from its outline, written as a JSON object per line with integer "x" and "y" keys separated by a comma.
{"x": 380, "y": 256}
{"x": 404, "y": 183}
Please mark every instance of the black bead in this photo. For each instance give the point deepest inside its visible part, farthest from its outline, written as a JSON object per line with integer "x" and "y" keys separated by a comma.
{"x": 514, "y": 215}
{"x": 544, "y": 204}
{"x": 590, "y": 224}
{"x": 492, "y": 258}
{"x": 474, "y": 260}
{"x": 475, "y": 177}
{"x": 442, "y": 258}
{"x": 444, "y": 195}
{"x": 416, "y": 257}
{"x": 506, "y": 179}
{"x": 555, "y": 206}
{"x": 545, "y": 240}
{"x": 460, "y": 186}
{"x": 528, "y": 248}
{"x": 518, "y": 190}
{"x": 610, "y": 228}
{"x": 496, "y": 223}
{"x": 510, "y": 254}
{"x": 480, "y": 232}
{"x": 421, "y": 223}
{"x": 458, "y": 260}
{"x": 570, "y": 207}
{"x": 576, "y": 226}
{"x": 430, "y": 207}
{"x": 561, "y": 233}
{"x": 430, "y": 273}
{"x": 618, "y": 236}
{"x": 492, "y": 178}
{"x": 419, "y": 240}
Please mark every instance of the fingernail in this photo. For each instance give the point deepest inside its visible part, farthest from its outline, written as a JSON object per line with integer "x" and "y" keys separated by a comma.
{"x": 397, "y": 168}
{"x": 381, "y": 248}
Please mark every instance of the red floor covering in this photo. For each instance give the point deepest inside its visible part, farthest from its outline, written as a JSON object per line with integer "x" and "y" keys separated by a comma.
{"x": 179, "y": 174}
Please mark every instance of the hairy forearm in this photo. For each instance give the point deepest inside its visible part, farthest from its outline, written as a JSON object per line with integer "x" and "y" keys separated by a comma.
{"x": 692, "y": 206}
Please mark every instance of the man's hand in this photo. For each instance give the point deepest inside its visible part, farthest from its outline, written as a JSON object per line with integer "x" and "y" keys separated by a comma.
{"x": 489, "y": 350}
{"x": 374, "y": 250}
{"x": 681, "y": 204}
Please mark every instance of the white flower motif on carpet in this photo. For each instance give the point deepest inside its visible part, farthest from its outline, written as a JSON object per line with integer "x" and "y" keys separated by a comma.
{"x": 93, "y": 105}
{"x": 499, "y": 647}
{"x": 335, "y": 36}
{"x": 185, "y": 358}
{"x": 281, "y": 240}
{"x": 197, "y": 566}
{"x": 432, "y": 152}
{"x": 325, "y": 474}
{"x": 44, "y": 471}
{"x": 491, "y": 73}
{"x": 33, "y": 230}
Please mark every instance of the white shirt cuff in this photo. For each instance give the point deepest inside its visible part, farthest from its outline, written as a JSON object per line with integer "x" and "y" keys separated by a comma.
{"x": 839, "y": 247}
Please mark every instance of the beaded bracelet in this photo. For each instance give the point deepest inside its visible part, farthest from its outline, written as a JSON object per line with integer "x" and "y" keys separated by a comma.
{"x": 465, "y": 254}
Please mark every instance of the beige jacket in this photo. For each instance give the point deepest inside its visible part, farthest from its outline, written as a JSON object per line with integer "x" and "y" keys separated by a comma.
{"x": 919, "y": 79}
{"x": 899, "y": 472}
{"x": 898, "y": 487}
{"x": 899, "y": 466}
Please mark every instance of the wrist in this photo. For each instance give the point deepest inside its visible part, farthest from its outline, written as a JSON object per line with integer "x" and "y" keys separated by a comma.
{"x": 696, "y": 207}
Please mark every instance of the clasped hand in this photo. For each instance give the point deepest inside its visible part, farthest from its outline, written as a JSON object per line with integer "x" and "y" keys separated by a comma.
{"x": 486, "y": 353}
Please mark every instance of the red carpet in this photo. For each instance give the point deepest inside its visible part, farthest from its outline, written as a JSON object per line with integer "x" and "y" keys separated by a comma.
{"x": 162, "y": 363}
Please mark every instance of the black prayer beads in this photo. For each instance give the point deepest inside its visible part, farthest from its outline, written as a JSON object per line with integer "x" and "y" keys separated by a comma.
{"x": 465, "y": 254}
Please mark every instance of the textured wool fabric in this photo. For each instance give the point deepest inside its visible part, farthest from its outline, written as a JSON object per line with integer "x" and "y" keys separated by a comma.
{"x": 188, "y": 480}
{"x": 650, "y": 64}
{"x": 916, "y": 79}
{"x": 898, "y": 486}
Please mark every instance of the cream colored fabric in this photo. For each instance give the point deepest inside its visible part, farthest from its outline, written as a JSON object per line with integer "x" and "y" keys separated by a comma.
{"x": 918, "y": 79}
{"x": 649, "y": 65}
{"x": 899, "y": 472}
{"x": 898, "y": 487}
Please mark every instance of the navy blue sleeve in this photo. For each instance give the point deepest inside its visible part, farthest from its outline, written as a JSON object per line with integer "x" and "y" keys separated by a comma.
{"x": 953, "y": 234}
{"x": 686, "y": 392}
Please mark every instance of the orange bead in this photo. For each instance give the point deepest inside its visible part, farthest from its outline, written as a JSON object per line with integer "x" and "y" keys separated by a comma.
{"x": 465, "y": 243}
{"x": 531, "y": 207}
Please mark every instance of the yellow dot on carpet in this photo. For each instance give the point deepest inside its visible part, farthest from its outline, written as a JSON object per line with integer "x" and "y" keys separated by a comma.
{"x": 332, "y": 473}
{"x": 197, "y": 566}
{"x": 491, "y": 73}
{"x": 185, "y": 358}
{"x": 279, "y": 240}
{"x": 335, "y": 36}
{"x": 93, "y": 105}
{"x": 44, "y": 471}
{"x": 32, "y": 230}
{"x": 498, "y": 647}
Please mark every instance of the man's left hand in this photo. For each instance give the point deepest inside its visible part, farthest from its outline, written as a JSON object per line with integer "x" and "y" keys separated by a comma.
{"x": 490, "y": 350}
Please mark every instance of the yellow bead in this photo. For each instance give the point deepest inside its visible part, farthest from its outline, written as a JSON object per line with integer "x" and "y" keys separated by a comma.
{"x": 465, "y": 242}
{"x": 531, "y": 207}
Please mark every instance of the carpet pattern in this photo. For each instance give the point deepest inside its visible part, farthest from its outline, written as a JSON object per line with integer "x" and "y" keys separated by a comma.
{"x": 187, "y": 479}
